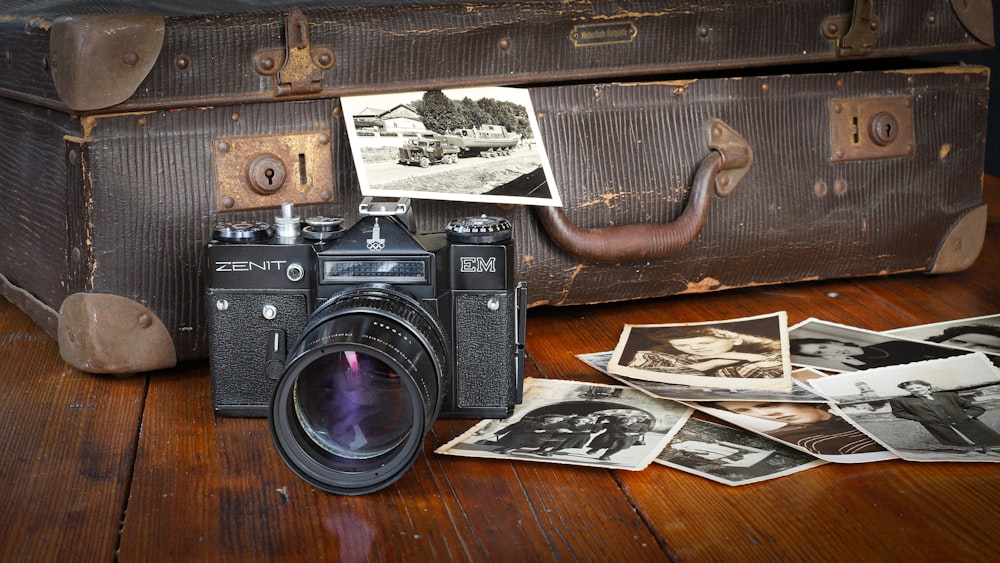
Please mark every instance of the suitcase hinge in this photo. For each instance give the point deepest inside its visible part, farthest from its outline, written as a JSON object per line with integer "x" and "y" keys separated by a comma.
{"x": 855, "y": 34}
{"x": 298, "y": 68}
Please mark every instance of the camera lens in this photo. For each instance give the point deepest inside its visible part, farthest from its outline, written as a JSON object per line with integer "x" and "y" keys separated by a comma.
{"x": 361, "y": 388}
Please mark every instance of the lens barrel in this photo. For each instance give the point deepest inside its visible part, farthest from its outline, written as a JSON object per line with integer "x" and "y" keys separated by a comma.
{"x": 361, "y": 388}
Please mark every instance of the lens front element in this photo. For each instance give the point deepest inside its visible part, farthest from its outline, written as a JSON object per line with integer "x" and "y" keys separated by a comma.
{"x": 353, "y": 406}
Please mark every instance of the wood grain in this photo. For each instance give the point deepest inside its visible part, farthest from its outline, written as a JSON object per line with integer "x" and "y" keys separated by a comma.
{"x": 69, "y": 449}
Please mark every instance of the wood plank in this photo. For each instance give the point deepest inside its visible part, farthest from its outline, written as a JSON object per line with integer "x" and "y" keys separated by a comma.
{"x": 68, "y": 440}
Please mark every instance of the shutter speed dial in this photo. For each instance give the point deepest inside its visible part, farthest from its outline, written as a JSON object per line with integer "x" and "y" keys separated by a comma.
{"x": 479, "y": 230}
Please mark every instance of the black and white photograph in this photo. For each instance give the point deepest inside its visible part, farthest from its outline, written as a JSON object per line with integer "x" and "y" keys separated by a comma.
{"x": 841, "y": 348}
{"x": 472, "y": 144}
{"x": 745, "y": 353}
{"x": 576, "y": 423}
{"x": 731, "y": 456}
{"x": 800, "y": 392}
{"x": 976, "y": 334}
{"x": 937, "y": 410}
{"x": 813, "y": 428}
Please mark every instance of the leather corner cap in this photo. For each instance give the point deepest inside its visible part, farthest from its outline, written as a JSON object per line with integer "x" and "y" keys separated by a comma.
{"x": 99, "y": 60}
{"x": 962, "y": 244}
{"x": 105, "y": 333}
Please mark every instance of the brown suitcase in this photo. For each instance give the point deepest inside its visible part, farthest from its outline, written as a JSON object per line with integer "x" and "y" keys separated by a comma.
{"x": 123, "y": 130}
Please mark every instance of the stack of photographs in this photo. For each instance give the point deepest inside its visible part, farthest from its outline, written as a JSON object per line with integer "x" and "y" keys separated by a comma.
{"x": 923, "y": 393}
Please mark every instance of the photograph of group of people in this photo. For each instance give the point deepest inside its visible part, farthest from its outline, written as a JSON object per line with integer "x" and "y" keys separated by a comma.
{"x": 577, "y": 423}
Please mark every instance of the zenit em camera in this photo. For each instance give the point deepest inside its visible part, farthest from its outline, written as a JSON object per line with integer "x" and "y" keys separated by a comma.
{"x": 354, "y": 341}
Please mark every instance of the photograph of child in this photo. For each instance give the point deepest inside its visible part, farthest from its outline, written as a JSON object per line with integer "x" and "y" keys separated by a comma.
{"x": 938, "y": 410}
{"x": 748, "y": 353}
{"x": 829, "y": 346}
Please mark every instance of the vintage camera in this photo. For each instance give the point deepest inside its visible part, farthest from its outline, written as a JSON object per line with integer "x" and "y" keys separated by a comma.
{"x": 353, "y": 341}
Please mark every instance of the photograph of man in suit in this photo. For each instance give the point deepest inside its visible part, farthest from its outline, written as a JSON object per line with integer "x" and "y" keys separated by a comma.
{"x": 951, "y": 418}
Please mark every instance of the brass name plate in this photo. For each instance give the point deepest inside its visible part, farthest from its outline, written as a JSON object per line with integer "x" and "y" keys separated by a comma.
{"x": 603, "y": 34}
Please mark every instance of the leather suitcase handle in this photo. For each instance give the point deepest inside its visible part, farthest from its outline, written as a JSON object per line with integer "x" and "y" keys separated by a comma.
{"x": 634, "y": 242}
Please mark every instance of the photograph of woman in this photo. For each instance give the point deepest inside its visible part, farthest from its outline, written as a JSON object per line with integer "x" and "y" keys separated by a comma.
{"x": 736, "y": 354}
{"x": 829, "y": 346}
{"x": 812, "y": 428}
{"x": 977, "y": 334}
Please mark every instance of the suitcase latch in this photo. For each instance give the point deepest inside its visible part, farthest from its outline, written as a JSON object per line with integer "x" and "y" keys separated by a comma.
{"x": 855, "y": 34}
{"x": 298, "y": 68}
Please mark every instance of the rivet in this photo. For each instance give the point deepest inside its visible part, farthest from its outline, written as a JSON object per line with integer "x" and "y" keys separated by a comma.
{"x": 335, "y": 111}
{"x": 145, "y": 321}
{"x": 504, "y": 43}
{"x": 873, "y": 25}
{"x": 73, "y": 155}
{"x": 723, "y": 180}
{"x": 266, "y": 63}
{"x": 141, "y": 122}
{"x": 130, "y": 58}
{"x": 223, "y": 146}
{"x": 704, "y": 30}
{"x": 76, "y": 254}
{"x": 182, "y": 62}
{"x": 269, "y": 312}
{"x": 820, "y": 188}
{"x": 235, "y": 117}
{"x": 765, "y": 87}
{"x": 910, "y": 148}
{"x": 228, "y": 202}
{"x": 837, "y": 108}
{"x": 324, "y": 59}
{"x": 717, "y": 132}
{"x": 908, "y": 103}
{"x": 327, "y": 195}
{"x": 931, "y": 19}
{"x": 324, "y": 139}
{"x": 839, "y": 154}
{"x": 832, "y": 29}
{"x": 840, "y": 186}
{"x": 957, "y": 245}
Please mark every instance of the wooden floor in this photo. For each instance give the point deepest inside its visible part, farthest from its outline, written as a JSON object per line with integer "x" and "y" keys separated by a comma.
{"x": 97, "y": 468}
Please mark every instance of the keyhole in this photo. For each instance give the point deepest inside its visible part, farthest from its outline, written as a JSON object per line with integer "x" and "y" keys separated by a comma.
{"x": 883, "y": 129}
{"x": 265, "y": 174}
